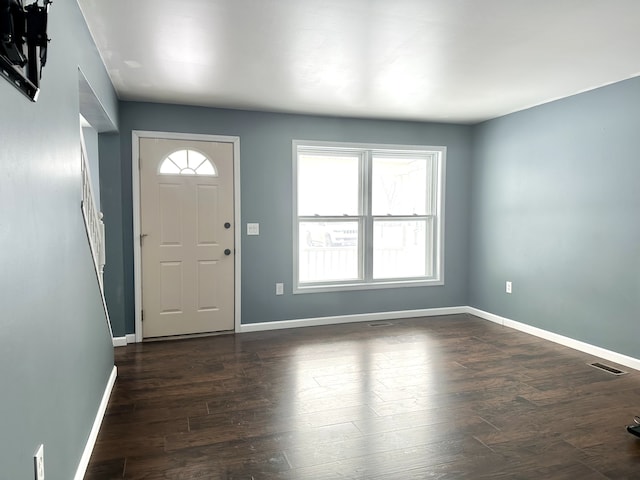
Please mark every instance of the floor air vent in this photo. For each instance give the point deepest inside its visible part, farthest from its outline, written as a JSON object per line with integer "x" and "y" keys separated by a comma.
{"x": 380, "y": 324}
{"x": 607, "y": 368}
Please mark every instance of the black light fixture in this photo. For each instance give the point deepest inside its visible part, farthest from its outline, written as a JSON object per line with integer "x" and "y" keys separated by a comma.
{"x": 20, "y": 26}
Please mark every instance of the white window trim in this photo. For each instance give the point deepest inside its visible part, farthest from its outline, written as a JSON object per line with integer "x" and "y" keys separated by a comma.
{"x": 321, "y": 287}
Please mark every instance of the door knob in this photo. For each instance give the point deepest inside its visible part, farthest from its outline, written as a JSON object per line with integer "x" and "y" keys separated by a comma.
{"x": 227, "y": 225}
{"x": 227, "y": 251}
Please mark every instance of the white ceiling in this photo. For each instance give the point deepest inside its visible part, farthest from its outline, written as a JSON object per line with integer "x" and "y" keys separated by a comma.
{"x": 459, "y": 61}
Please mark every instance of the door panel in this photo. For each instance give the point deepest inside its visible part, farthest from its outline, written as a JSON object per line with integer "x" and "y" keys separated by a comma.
{"x": 170, "y": 203}
{"x": 187, "y": 280}
{"x": 171, "y": 287}
{"x": 207, "y": 222}
{"x": 207, "y": 292}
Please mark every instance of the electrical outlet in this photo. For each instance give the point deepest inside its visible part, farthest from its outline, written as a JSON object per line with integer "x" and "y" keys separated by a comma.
{"x": 508, "y": 287}
{"x": 38, "y": 463}
{"x": 279, "y": 288}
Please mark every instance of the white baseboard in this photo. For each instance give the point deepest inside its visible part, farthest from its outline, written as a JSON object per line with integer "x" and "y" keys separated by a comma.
{"x": 561, "y": 339}
{"x": 124, "y": 341}
{"x": 429, "y": 312}
{"x": 363, "y": 317}
{"x": 93, "y": 435}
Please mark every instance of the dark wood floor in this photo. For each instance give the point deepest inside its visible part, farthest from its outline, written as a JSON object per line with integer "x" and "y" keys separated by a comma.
{"x": 441, "y": 398}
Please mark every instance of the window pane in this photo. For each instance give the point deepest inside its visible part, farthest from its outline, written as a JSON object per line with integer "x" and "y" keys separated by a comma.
{"x": 399, "y": 186}
{"x": 187, "y": 162}
{"x": 169, "y": 167}
{"x": 206, "y": 168}
{"x": 179, "y": 158}
{"x": 328, "y": 185}
{"x": 328, "y": 251}
{"x": 194, "y": 159}
{"x": 400, "y": 249}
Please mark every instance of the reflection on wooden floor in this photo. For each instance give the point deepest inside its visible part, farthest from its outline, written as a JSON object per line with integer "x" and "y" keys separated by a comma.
{"x": 450, "y": 397}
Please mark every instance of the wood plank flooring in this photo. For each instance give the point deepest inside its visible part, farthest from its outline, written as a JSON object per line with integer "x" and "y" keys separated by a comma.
{"x": 450, "y": 397}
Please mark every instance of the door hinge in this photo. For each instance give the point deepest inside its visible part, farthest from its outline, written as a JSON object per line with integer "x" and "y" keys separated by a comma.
{"x": 142, "y": 315}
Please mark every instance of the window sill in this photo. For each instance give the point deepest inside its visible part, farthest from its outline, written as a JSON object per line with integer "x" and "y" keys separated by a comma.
{"x": 342, "y": 287}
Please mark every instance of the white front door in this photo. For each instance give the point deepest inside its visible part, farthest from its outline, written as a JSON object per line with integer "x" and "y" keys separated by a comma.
{"x": 187, "y": 234}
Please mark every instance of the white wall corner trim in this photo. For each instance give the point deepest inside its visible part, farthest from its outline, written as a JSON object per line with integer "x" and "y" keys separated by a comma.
{"x": 93, "y": 435}
{"x": 610, "y": 355}
{"x": 362, "y": 317}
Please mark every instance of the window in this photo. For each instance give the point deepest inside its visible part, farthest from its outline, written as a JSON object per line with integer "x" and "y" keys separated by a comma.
{"x": 187, "y": 162}
{"x": 367, "y": 216}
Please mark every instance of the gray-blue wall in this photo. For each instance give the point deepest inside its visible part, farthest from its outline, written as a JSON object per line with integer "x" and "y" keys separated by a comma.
{"x": 556, "y": 210}
{"x": 55, "y": 348}
{"x": 112, "y": 207}
{"x": 266, "y": 187}
{"x": 546, "y": 198}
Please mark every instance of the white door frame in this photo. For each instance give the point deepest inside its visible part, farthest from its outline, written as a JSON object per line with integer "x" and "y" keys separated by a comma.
{"x": 136, "y": 135}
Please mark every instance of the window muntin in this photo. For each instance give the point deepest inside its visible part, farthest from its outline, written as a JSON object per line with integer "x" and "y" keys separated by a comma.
{"x": 187, "y": 162}
{"x": 389, "y": 197}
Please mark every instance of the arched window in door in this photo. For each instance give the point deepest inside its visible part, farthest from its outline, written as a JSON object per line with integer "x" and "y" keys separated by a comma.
{"x": 187, "y": 162}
